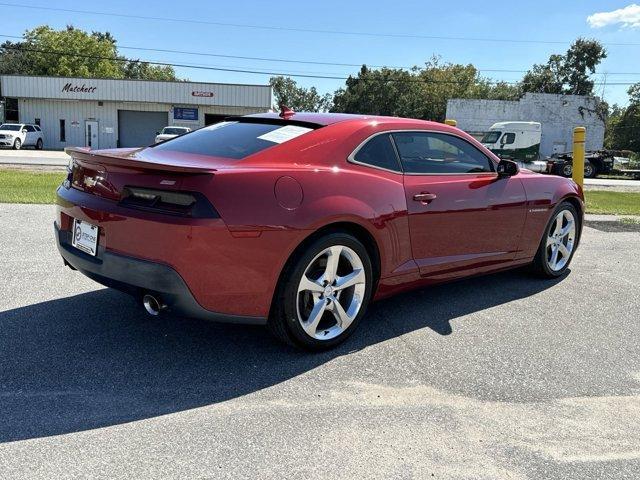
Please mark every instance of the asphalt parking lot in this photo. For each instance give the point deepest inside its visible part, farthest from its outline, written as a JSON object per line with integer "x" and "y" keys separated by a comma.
{"x": 503, "y": 376}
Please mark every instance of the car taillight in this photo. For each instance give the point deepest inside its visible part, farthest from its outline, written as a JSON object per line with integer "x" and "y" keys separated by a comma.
{"x": 171, "y": 202}
{"x": 69, "y": 178}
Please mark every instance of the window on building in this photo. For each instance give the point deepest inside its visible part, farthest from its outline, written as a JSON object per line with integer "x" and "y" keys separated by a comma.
{"x": 63, "y": 132}
{"x": 37, "y": 121}
{"x": 11, "y": 110}
{"x": 438, "y": 153}
{"x": 378, "y": 152}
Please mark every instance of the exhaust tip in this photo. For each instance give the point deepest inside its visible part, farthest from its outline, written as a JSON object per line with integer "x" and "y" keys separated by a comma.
{"x": 152, "y": 305}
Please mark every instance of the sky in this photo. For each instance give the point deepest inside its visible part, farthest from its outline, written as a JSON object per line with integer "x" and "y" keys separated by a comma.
{"x": 496, "y": 35}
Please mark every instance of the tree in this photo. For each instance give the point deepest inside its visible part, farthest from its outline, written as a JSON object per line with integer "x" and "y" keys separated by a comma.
{"x": 135, "y": 69}
{"x": 623, "y": 124}
{"x": 569, "y": 73}
{"x": 287, "y": 92}
{"x": 421, "y": 92}
{"x": 85, "y": 55}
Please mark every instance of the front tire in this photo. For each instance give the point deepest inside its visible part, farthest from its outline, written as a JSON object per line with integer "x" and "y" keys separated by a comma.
{"x": 17, "y": 144}
{"x": 558, "y": 243}
{"x": 323, "y": 293}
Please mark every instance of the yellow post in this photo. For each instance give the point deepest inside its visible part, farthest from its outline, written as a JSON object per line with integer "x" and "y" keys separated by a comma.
{"x": 451, "y": 122}
{"x": 579, "y": 134}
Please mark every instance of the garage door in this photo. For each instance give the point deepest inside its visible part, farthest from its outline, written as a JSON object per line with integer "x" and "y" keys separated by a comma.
{"x": 138, "y": 129}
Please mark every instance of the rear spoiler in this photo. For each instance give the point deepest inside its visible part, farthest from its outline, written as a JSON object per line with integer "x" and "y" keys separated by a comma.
{"x": 126, "y": 158}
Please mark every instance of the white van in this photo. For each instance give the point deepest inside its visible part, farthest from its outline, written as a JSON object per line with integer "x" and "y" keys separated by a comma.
{"x": 519, "y": 141}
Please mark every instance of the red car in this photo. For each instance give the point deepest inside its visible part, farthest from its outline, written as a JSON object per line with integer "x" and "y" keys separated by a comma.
{"x": 299, "y": 221}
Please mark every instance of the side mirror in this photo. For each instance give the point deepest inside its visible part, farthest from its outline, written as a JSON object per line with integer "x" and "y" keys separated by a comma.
{"x": 157, "y": 133}
{"x": 24, "y": 130}
{"x": 507, "y": 168}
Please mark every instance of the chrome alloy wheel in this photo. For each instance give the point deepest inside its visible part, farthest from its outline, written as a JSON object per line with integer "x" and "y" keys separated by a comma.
{"x": 561, "y": 240}
{"x": 331, "y": 292}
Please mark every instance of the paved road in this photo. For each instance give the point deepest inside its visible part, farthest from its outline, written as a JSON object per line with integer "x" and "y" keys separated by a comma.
{"x": 28, "y": 157}
{"x": 498, "y": 377}
{"x": 612, "y": 184}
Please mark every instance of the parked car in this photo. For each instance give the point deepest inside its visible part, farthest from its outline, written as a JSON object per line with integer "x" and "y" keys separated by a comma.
{"x": 18, "y": 135}
{"x": 299, "y": 221}
{"x": 170, "y": 132}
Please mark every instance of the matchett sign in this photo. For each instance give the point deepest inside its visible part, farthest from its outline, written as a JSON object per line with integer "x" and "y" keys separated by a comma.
{"x": 69, "y": 87}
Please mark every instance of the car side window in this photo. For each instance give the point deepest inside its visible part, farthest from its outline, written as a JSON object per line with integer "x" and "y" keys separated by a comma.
{"x": 29, "y": 128}
{"x": 508, "y": 138}
{"x": 37, "y": 128}
{"x": 378, "y": 152}
{"x": 439, "y": 153}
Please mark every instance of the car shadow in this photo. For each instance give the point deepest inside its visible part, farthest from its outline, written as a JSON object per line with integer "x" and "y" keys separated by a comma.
{"x": 95, "y": 359}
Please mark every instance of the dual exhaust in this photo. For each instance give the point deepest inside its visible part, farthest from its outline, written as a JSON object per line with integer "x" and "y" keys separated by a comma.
{"x": 152, "y": 304}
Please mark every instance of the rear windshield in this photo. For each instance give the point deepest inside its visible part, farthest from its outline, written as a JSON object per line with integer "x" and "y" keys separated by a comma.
{"x": 232, "y": 139}
{"x": 174, "y": 130}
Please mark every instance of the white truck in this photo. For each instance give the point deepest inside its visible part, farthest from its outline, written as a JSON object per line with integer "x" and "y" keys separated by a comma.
{"x": 518, "y": 141}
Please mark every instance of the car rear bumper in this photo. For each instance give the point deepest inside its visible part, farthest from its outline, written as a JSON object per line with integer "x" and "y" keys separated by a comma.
{"x": 137, "y": 277}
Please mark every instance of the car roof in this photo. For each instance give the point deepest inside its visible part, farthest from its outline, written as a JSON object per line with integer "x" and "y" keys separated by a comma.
{"x": 326, "y": 118}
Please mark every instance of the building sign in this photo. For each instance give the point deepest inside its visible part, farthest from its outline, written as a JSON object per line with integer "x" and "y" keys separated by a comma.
{"x": 181, "y": 113}
{"x": 202, "y": 94}
{"x": 70, "y": 87}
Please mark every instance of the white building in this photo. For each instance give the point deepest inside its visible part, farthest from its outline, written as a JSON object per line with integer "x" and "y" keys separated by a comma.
{"x": 105, "y": 113}
{"x": 558, "y": 114}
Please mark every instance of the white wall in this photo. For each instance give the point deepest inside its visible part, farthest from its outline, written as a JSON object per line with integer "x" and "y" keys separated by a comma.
{"x": 558, "y": 114}
{"x": 221, "y": 94}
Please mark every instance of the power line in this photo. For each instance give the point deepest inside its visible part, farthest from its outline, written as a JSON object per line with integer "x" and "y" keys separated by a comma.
{"x": 309, "y": 62}
{"x": 301, "y": 30}
{"x": 257, "y": 72}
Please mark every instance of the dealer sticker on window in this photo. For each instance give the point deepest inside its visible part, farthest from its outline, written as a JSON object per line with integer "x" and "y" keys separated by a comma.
{"x": 284, "y": 134}
{"x": 85, "y": 237}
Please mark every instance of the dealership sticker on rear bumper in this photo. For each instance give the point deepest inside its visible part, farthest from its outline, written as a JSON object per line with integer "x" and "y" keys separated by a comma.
{"x": 85, "y": 237}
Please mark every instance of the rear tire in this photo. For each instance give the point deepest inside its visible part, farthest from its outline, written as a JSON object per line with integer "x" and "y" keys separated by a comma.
{"x": 590, "y": 171}
{"x": 39, "y": 144}
{"x": 323, "y": 293}
{"x": 558, "y": 243}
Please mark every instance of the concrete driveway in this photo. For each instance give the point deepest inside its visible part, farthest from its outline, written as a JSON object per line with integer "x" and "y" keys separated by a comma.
{"x": 37, "y": 158}
{"x": 503, "y": 376}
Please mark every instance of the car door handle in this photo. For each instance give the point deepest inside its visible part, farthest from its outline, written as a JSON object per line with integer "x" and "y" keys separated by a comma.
{"x": 425, "y": 198}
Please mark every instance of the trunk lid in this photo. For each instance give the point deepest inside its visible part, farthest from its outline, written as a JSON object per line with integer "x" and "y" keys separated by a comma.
{"x": 112, "y": 174}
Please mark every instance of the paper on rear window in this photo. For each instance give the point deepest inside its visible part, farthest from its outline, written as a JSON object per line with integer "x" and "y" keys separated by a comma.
{"x": 284, "y": 134}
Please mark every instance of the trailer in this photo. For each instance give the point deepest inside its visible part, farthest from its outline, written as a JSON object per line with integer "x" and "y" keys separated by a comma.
{"x": 635, "y": 174}
{"x": 595, "y": 163}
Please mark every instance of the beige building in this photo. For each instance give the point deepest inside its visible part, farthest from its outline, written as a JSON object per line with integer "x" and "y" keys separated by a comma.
{"x": 105, "y": 113}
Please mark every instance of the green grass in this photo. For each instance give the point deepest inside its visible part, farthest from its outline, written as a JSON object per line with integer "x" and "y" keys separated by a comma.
{"x": 17, "y": 186}
{"x": 620, "y": 203}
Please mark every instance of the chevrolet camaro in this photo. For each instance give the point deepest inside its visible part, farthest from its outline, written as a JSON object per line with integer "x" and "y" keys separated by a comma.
{"x": 298, "y": 221}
